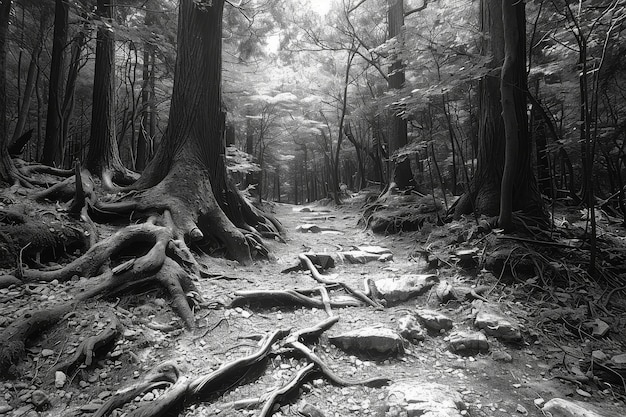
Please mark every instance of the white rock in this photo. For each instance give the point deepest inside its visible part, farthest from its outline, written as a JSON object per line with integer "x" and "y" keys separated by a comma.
{"x": 60, "y": 379}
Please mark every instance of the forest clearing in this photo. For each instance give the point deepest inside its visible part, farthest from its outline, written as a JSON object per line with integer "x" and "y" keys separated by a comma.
{"x": 313, "y": 208}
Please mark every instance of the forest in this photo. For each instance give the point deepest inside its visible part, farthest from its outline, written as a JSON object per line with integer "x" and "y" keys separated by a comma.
{"x": 164, "y": 164}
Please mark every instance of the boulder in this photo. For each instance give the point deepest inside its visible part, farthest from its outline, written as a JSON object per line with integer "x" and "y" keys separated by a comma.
{"x": 495, "y": 323}
{"x": 468, "y": 343}
{"x": 559, "y": 407}
{"x": 415, "y": 397}
{"x": 397, "y": 289}
{"x": 434, "y": 320}
{"x": 379, "y": 341}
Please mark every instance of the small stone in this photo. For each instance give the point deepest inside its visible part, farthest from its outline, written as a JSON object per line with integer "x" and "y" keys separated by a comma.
{"x": 90, "y": 407}
{"x": 599, "y": 355}
{"x": 104, "y": 394}
{"x": 47, "y": 352}
{"x": 92, "y": 379}
{"x": 83, "y": 384}
{"x": 619, "y": 359}
{"x": 308, "y": 410}
{"x": 539, "y": 402}
{"x": 521, "y": 409}
{"x": 502, "y": 356}
{"x": 59, "y": 379}
{"x": 5, "y": 408}
{"x": 411, "y": 329}
{"x": 39, "y": 399}
{"x": 148, "y": 397}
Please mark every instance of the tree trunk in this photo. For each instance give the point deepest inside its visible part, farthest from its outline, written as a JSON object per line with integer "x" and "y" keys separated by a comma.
{"x": 145, "y": 130}
{"x": 6, "y": 164}
{"x": 188, "y": 174}
{"x": 103, "y": 158}
{"x": 399, "y": 171}
{"x": 31, "y": 77}
{"x": 520, "y": 185}
{"x": 52, "y": 147}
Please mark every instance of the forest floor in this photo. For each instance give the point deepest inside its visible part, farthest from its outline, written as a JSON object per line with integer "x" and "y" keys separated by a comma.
{"x": 566, "y": 326}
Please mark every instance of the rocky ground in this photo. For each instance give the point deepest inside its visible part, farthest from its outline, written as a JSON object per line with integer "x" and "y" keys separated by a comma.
{"x": 463, "y": 322}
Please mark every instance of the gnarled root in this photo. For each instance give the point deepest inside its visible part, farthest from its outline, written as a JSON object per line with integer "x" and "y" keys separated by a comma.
{"x": 87, "y": 349}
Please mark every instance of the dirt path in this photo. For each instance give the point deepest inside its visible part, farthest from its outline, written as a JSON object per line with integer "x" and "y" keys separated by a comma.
{"x": 507, "y": 381}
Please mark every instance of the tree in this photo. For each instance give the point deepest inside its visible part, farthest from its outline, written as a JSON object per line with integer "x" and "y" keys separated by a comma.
{"x": 401, "y": 175}
{"x": 7, "y": 169}
{"x": 504, "y": 181}
{"x": 188, "y": 175}
{"x": 53, "y": 144}
{"x": 103, "y": 158}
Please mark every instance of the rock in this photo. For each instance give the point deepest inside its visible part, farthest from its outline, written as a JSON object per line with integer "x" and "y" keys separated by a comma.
{"x": 559, "y": 407}
{"x": 308, "y": 410}
{"x": 361, "y": 257}
{"x": 398, "y": 289}
{"x": 496, "y": 324}
{"x": 599, "y": 328}
{"x": 415, "y": 397}
{"x": 434, "y": 320}
{"x": 8, "y": 280}
{"x": 39, "y": 399}
{"x": 47, "y": 352}
{"x": 619, "y": 359}
{"x": 59, "y": 379}
{"x": 502, "y": 356}
{"x": 308, "y": 228}
{"x": 468, "y": 343}
{"x": 411, "y": 329}
{"x": 445, "y": 291}
{"x": 90, "y": 407}
{"x": 5, "y": 408}
{"x": 372, "y": 340}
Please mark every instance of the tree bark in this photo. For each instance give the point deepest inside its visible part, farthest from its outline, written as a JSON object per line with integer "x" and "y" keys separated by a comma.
{"x": 103, "y": 157}
{"x": 7, "y": 169}
{"x": 488, "y": 193}
{"x": 400, "y": 170}
{"x": 52, "y": 147}
{"x": 188, "y": 172}
{"x": 31, "y": 77}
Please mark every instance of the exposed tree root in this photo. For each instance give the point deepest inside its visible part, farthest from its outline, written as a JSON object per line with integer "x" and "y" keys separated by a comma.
{"x": 191, "y": 390}
{"x": 167, "y": 262}
{"x": 13, "y": 338}
{"x": 288, "y": 297}
{"x": 87, "y": 349}
{"x": 354, "y": 292}
{"x": 166, "y": 373}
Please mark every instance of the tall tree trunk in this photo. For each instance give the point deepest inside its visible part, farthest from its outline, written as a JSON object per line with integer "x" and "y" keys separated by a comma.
{"x": 103, "y": 158}
{"x": 399, "y": 172}
{"x": 7, "y": 169}
{"x": 144, "y": 144}
{"x": 52, "y": 147}
{"x": 488, "y": 193}
{"x": 31, "y": 77}
{"x": 188, "y": 173}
